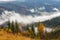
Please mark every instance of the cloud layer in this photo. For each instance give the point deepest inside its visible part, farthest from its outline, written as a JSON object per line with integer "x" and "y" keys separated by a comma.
{"x": 26, "y": 19}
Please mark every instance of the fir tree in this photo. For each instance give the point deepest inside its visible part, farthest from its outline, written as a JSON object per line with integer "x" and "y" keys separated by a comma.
{"x": 16, "y": 27}
{"x": 27, "y": 28}
{"x": 12, "y": 27}
{"x": 9, "y": 24}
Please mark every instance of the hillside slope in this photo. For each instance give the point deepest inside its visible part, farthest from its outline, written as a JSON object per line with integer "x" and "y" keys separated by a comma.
{"x": 4, "y": 35}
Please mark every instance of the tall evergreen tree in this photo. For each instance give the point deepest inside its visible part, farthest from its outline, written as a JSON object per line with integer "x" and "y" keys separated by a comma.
{"x": 32, "y": 28}
{"x": 12, "y": 27}
{"x": 16, "y": 27}
{"x": 27, "y": 27}
{"x": 8, "y": 24}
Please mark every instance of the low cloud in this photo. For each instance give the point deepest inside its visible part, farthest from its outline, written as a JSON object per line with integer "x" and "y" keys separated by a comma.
{"x": 36, "y": 9}
{"x": 26, "y": 19}
{"x": 42, "y": 8}
{"x": 47, "y": 3}
{"x": 56, "y": 9}
{"x": 32, "y": 10}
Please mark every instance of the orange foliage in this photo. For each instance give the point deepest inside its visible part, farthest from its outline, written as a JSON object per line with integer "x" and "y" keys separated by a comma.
{"x": 4, "y": 35}
{"x": 41, "y": 28}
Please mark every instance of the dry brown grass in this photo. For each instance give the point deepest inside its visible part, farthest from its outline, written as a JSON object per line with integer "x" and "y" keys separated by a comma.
{"x": 4, "y": 35}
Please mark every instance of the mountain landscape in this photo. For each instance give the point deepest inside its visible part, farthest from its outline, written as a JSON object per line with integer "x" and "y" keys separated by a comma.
{"x": 30, "y": 19}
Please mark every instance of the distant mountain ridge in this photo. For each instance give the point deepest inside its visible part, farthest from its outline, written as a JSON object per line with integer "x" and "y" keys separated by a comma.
{"x": 53, "y": 22}
{"x": 23, "y": 8}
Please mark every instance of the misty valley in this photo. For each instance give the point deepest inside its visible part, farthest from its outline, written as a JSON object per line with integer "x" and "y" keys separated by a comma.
{"x": 29, "y": 19}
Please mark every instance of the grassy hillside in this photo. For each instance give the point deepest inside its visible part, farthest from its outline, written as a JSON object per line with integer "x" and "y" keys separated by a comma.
{"x": 4, "y": 35}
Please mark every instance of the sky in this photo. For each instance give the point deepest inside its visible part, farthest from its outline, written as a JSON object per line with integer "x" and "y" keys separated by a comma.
{"x": 7, "y": 0}
{"x": 12, "y": 0}
{"x": 20, "y": 0}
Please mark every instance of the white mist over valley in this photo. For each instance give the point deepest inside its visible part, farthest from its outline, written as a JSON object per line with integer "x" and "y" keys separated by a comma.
{"x": 13, "y": 16}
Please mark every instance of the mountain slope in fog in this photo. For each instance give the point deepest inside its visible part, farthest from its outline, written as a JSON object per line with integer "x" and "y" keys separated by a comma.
{"x": 13, "y": 16}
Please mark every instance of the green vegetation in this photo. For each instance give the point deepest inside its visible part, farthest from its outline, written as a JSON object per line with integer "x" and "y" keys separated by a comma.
{"x": 30, "y": 29}
{"x": 13, "y": 27}
{"x": 41, "y": 35}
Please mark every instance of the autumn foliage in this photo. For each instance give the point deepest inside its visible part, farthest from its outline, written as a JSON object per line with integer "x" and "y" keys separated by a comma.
{"x": 41, "y": 27}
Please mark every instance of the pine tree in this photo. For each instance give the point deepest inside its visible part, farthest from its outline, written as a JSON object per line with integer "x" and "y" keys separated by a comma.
{"x": 8, "y": 24}
{"x": 27, "y": 28}
{"x": 32, "y": 28}
{"x": 16, "y": 27}
{"x": 12, "y": 27}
